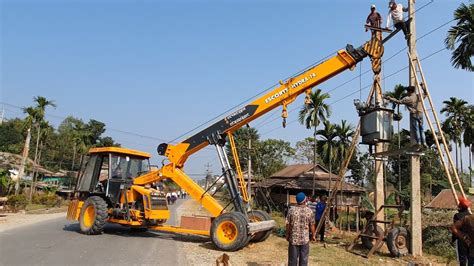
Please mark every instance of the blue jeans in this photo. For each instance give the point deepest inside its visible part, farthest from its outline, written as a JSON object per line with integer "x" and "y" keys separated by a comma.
{"x": 416, "y": 128}
{"x": 298, "y": 255}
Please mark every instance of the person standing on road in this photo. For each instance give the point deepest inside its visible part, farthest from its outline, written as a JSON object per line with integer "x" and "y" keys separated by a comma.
{"x": 462, "y": 251}
{"x": 464, "y": 231}
{"x": 298, "y": 223}
{"x": 319, "y": 214}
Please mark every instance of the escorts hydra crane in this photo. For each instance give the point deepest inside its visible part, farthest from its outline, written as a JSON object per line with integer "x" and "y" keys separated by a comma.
{"x": 114, "y": 184}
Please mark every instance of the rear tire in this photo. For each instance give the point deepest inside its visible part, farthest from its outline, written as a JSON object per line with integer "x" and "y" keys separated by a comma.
{"x": 93, "y": 216}
{"x": 398, "y": 241}
{"x": 374, "y": 231}
{"x": 259, "y": 216}
{"x": 229, "y": 231}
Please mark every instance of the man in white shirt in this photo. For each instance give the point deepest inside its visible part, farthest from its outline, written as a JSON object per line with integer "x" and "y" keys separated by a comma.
{"x": 395, "y": 14}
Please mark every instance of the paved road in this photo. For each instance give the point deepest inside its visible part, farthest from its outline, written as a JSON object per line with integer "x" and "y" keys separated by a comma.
{"x": 57, "y": 242}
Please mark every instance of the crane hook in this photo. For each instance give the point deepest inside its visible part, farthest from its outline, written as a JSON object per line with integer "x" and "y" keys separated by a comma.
{"x": 284, "y": 114}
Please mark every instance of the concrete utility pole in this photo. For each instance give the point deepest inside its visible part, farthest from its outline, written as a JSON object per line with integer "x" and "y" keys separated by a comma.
{"x": 1, "y": 116}
{"x": 415, "y": 208}
{"x": 208, "y": 175}
{"x": 379, "y": 198}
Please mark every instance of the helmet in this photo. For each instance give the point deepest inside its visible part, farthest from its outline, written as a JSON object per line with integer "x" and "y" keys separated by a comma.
{"x": 464, "y": 203}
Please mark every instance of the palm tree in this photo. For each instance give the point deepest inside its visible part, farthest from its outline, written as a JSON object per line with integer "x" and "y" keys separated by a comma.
{"x": 468, "y": 136}
{"x": 80, "y": 141}
{"x": 44, "y": 133}
{"x": 328, "y": 146}
{"x": 29, "y": 120}
{"x": 328, "y": 149}
{"x": 344, "y": 132}
{"x": 462, "y": 32}
{"x": 314, "y": 111}
{"x": 41, "y": 104}
{"x": 456, "y": 111}
{"x": 398, "y": 93}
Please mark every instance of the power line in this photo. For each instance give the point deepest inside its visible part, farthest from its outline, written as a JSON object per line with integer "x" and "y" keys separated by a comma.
{"x": 265, "y": 121}
{"x": 250, "y": 98}
{"x": 368, "y": 71}
{"x": 107, "y": 128}
{"x": 364, "y": 88}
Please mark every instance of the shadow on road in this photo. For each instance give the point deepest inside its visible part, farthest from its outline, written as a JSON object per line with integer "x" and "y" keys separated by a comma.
{"x": 117, "y": 230}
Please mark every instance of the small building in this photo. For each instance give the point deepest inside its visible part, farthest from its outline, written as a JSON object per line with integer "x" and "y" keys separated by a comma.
{"x": 282, "y": 186}
{"x": 445, "y": 200}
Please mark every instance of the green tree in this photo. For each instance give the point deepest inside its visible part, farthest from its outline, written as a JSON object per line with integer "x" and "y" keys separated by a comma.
{"x": 40, "y": 109}
{"x": 398, "y": 93}
{"x": 344, "y": 132}
{"x": 327, "y": 146}
{"x": 362, "y": 170}
{"x": 456, "y": 111}
{"x": 272, "y": 156}
{"x": 241, "y": 137}
{"x": 315, "y": 111}
{"x": 462, "y": 33}
{"x": 468, "y": 136}
{"x": 304, "y": 151}
{"x": 11, "y": 136}
{"x": 28, "y": 123}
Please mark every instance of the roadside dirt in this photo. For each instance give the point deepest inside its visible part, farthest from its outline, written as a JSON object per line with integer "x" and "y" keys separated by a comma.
{"x": 273, "y": 251}
{"x": 14, "y": 220}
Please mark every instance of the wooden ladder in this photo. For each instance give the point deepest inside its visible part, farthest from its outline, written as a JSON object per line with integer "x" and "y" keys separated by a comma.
{"x": 379, "y": 239}
{"x": 433, "y": 121}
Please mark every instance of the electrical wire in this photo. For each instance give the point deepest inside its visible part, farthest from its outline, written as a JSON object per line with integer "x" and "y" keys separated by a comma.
{"x": 250, "y": 98}
{"x": 364, "y": 88}
{"x": 368, "y": 71}
{"x": 264, "y": 122}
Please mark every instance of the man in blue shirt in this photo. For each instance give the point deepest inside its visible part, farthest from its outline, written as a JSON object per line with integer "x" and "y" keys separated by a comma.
{"x": 319, "y": 213}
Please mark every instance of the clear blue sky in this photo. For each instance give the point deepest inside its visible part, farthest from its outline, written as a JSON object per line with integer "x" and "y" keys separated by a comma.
{"x": 160, "y": 68}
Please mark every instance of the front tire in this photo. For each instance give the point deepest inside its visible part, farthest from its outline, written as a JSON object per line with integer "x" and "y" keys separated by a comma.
{"x": 259, "y": 216}
{"x": 229, "y": 231}
{"x": 93, "y": 216}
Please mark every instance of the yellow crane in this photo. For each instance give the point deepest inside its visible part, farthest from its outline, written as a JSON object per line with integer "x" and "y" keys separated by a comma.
{"x": 114, "y": 183}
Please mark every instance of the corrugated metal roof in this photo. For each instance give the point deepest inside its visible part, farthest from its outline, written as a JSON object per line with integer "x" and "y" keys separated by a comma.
{"x": 445, "y": 200}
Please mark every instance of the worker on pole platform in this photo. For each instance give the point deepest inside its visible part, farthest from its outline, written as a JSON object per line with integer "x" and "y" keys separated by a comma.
{"x": 395, "y": 14}
{"x": 374, "y": 19}
{"x": 414, "y": 104}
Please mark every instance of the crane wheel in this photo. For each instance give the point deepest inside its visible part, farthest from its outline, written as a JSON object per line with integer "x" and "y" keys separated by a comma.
{"x": 374, "y": 231}
{"x": 93, "y": 216}
{"x": 229, "y": 231}
{"x": 259, "y": 216}
{"x": 398, "y": 241}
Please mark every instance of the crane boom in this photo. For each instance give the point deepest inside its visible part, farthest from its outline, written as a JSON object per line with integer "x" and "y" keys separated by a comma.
{"x": 281, "y": 95}
{"x": 215, "y": 134}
